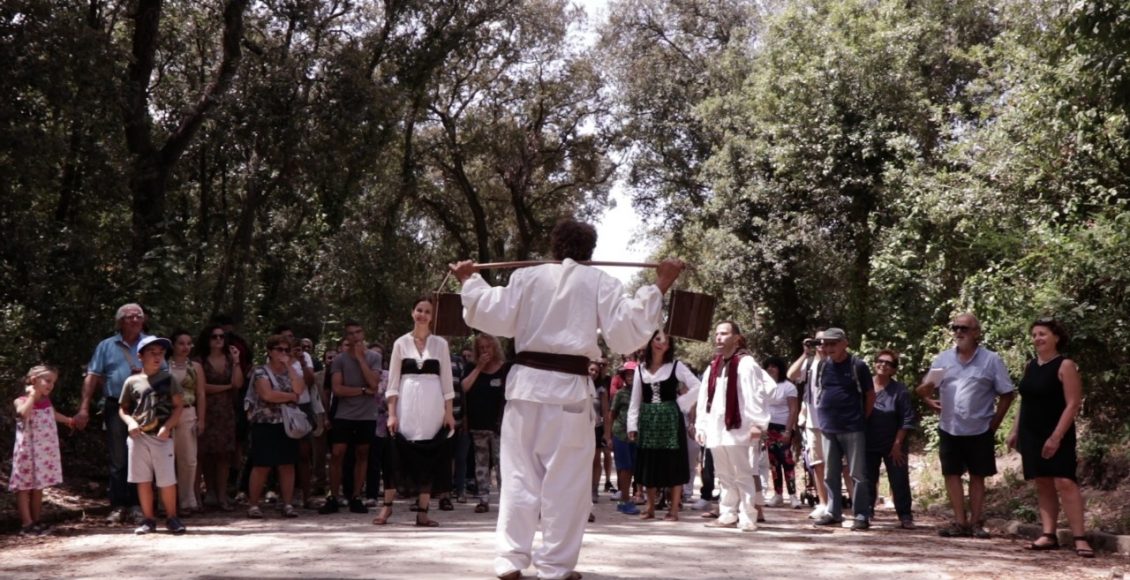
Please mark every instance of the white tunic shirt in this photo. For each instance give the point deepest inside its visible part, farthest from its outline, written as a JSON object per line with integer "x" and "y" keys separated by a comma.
{"x": 559, "y": 309}
{"x": 420, "y": 407}
{"x": 685, "y": 401}
{"x": 754, "y": 385}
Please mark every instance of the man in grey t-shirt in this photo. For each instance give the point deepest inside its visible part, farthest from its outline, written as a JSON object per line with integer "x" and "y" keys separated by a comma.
{"x": 355, "y": 376}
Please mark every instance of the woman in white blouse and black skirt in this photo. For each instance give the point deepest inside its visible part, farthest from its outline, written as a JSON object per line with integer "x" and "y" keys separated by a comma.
{"x": 420, "y": 415}
{"x": 655, "y": 422}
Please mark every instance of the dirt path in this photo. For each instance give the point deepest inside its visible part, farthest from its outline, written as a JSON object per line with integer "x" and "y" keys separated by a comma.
{"x": 616, "y": 546}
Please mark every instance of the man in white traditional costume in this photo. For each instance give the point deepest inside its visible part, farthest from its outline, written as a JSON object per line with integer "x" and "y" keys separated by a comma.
{"x": 554, "y": 312}
{"x": 730, "y": 418}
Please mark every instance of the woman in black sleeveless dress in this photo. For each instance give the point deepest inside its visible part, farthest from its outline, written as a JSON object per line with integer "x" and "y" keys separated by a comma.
{"x": 1051, "y": 395}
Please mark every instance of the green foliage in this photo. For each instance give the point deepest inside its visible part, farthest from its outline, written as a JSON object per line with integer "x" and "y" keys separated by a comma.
{"x": 884, "y": 165}
{"x": 311, "y": 188}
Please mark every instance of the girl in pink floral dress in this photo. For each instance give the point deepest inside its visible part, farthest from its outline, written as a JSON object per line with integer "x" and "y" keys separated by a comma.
{"x": 36, "y": 463}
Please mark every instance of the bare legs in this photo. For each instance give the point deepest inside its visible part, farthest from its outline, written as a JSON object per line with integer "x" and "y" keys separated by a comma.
{"x": 821, "y": 491}
{"x": 676, "y": 503}
{"x": 259, "y": 479}
{"x": 303, "y": 471}
{"x": 30, "y": 505}
{"x": 168, "y": 499}
{"x": 1051, "y": 493}
{"x": 216, "y": 467}
{"x": 624, "y": 482}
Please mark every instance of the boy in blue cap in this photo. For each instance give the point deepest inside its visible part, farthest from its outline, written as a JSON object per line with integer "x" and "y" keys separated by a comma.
{"x": 150, "y": 405}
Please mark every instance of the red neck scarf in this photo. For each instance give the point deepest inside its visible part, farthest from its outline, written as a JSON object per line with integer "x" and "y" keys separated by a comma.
{"x": 733, "y": 414}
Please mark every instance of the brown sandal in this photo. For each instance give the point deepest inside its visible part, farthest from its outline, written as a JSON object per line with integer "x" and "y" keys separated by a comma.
{"x": 427, "y": 522}
{"x": 482, "y": 508}
{"x": 379, "y": 521}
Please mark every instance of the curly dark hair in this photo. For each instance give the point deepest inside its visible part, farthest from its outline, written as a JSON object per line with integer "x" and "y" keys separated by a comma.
{"x": 203, "y": 345}
{"x": 1055, "y": 327}
{"x": 778, "y": 363}
{"x": 572, "y": 239}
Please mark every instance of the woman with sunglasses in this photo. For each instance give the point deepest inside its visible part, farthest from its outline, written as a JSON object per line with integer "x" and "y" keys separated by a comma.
{"x": 223, "y": 378}
{"x": 1051, "y": 394}
{"x": 891, "y": 421}
{"x": 275, "y": 384}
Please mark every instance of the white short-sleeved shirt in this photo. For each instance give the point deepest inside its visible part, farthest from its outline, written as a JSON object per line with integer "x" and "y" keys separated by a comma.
{"x": 968, "y": 391}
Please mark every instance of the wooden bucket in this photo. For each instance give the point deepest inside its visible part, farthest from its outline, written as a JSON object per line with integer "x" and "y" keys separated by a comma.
{"x": 690, "y": 315}
{"x": 447, "y": 320}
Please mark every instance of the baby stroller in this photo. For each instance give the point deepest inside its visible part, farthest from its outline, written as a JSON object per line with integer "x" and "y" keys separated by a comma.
{"x": 809, "y": 496}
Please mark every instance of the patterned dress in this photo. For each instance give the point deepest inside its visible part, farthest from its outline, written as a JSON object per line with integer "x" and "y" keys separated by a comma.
{"x": 219, "y": 426}
{"x": 36, "y": 462}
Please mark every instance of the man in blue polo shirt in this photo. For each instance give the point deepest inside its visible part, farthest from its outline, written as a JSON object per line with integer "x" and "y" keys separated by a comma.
{"x": 844, "y": 400}
{"x": 968, "y": 379}
{"x": 114, "y": 361}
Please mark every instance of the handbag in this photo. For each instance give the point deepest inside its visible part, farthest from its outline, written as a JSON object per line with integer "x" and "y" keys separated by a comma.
{"x": 294, "y": 419}
{"x": 295, "y": 422}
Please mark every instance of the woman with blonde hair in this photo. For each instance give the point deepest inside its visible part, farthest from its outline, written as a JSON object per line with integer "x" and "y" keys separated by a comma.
{"x": 485, "y": 391}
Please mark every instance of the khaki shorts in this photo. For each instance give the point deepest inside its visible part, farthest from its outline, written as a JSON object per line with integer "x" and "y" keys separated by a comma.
{"x": 149, "y": 456}
{"x": 814, "y": 444}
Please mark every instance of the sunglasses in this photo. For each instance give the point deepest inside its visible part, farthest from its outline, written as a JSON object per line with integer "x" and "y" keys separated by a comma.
{"x": 959, "y": 328}
{"x": 889, "y": 363}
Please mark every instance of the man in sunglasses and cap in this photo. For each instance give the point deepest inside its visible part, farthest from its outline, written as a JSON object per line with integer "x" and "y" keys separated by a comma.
{"x": 973, "y": 393}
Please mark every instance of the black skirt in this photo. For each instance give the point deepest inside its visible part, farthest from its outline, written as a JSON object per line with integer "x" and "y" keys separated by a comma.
{"x": 664, "y": 467}
{"x": 271, "y": 447}
{"x": 421, "y": 466}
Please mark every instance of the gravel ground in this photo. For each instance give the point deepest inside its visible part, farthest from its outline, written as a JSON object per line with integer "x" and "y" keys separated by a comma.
{"x": 616, "y": 546}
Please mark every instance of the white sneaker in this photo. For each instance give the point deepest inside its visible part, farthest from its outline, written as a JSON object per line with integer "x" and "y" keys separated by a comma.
{"x": 820, "y": 510}
{"x": 795, "y": 503}
{"x": 776, "y": 500}
{"x": 700, "y": 505}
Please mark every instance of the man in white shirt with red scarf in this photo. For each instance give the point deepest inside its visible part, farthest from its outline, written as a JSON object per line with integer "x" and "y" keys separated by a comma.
{"x": 555, "y": 312}
{"x": 731, "y": 416}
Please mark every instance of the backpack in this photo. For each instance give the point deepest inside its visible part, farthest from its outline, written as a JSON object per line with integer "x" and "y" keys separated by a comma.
{"x": 854, "y": 374}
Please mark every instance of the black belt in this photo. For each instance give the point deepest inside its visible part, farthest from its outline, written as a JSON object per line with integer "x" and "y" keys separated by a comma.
{"x": 417, "y": 371}
{"x": 563, "y": 363}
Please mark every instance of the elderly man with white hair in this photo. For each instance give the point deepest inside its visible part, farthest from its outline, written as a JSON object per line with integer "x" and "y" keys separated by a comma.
{"x": 114, "y": 360}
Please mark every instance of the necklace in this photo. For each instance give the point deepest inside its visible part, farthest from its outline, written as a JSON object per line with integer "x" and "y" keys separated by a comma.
{"x": 178, "y": 366}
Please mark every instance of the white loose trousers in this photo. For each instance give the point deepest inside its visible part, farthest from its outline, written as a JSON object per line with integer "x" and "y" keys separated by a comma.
{"x": 735, "y": 472}
{"x": 546, "y": 460}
